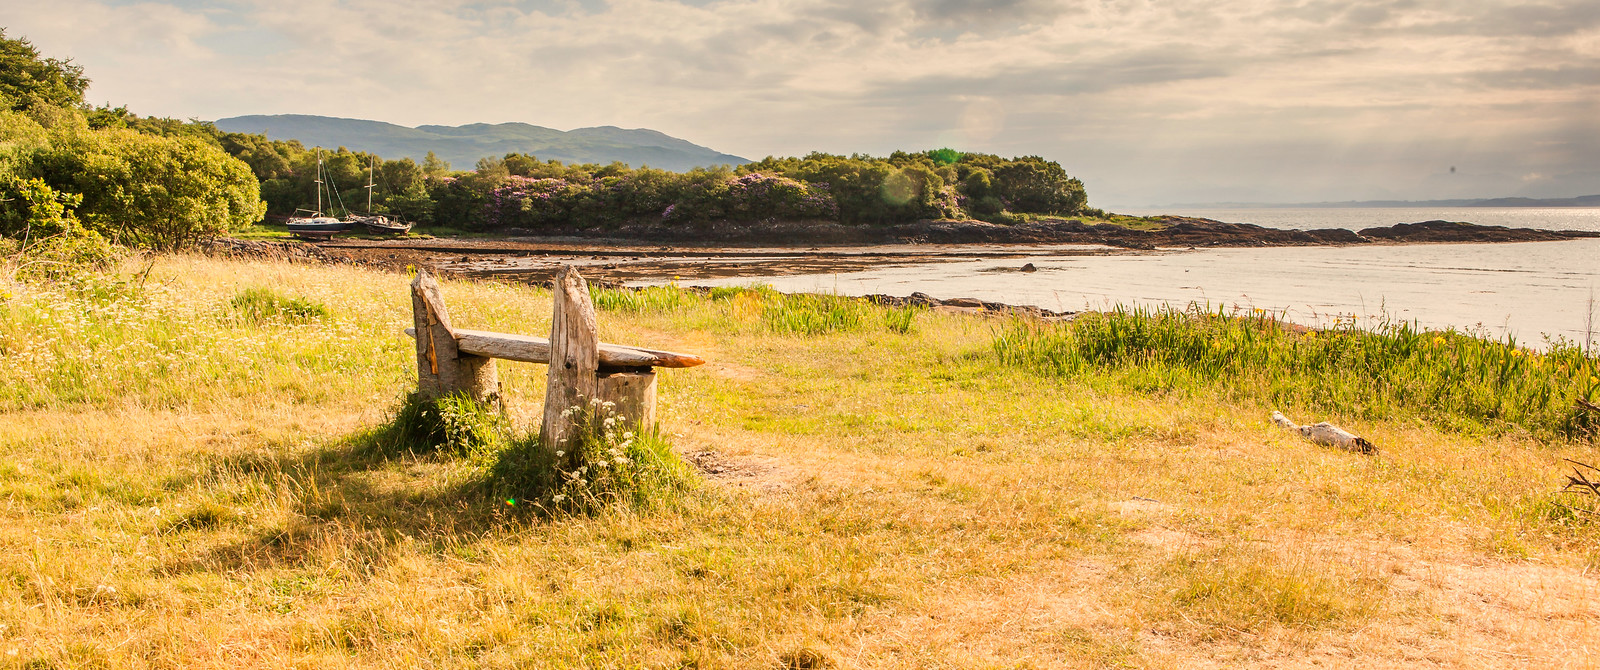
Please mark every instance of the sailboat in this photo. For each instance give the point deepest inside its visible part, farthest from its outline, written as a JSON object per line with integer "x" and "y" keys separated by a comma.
{"x": 377, "y": 224}
{"x": 312, "y": 223}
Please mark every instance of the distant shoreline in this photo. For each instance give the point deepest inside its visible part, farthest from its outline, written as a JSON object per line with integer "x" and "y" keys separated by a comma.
{"x": 1580, "y": 202}
{"x": 728, "y": 250}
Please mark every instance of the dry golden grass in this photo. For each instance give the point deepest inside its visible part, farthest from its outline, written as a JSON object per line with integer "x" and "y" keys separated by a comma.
{"x": 198, "y": 498}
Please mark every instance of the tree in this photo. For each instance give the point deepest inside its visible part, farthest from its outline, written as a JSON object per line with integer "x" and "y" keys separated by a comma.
{"x": 433, "y": 166}
{"x": 161, "y": 192}
{"x": 1032, "y": 184}
{"x": 28, "y": 82}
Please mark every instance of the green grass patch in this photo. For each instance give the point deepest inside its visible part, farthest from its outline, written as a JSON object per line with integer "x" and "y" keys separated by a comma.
{"x": 1446, "y": 378}
{"x": 453, "y": 424}
{"x": 605, "y": 464}
{"x": 263, "y": 305}
{"x": 647, "y": 300}
{"x": 816, "y": 314}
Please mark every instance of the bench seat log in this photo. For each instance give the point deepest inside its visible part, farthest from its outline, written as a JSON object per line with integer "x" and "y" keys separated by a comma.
{"x": 530, "y": 349}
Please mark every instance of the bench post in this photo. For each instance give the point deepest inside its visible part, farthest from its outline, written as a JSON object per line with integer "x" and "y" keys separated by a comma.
{"x": 441, "y": 368}
{"x": 634, "y": 396}
{"x": 574, "y": 358}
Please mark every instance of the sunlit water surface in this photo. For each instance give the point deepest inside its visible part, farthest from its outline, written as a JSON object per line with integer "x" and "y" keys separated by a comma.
{"x": 1525, "y": 290}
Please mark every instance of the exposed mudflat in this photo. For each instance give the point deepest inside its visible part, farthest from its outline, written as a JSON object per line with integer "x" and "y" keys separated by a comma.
{"x": 776, "y": 249}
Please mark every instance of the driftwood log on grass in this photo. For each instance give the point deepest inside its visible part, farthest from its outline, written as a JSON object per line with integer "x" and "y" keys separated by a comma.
{"x": 1328, "y": 434}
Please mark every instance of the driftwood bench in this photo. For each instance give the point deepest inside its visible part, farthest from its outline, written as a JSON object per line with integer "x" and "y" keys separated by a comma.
{"x": 454, "y": 360}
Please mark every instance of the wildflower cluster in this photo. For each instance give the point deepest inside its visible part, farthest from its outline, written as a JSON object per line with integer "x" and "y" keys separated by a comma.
{"x": 605, "y": 463}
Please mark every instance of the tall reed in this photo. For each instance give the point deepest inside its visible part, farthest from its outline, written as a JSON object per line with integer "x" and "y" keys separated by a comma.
{"x": 1395, "y": 369}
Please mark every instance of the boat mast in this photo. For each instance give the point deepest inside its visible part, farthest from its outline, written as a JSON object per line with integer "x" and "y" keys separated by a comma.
{"x": 319, "y": 181}
{"x": 371, "y": 162}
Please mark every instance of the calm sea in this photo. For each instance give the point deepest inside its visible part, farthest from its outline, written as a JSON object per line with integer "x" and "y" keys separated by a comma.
{"x": 1524, "y": 290}
{"x": 1356, "y": 218}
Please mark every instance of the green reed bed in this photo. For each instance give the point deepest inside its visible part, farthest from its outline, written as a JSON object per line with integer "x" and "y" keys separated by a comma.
{"x": 738, "y": 308}
{"x": 1447, "y": 378}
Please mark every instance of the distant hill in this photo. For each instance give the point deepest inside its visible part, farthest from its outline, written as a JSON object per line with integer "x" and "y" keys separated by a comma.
{"x": 464, "y": 145}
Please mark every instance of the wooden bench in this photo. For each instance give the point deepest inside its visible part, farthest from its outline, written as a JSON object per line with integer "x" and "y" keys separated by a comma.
{"x": 454, "y": 360}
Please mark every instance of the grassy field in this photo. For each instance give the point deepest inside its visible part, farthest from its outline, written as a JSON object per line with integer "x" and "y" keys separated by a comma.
{"x": 189, "y": 478}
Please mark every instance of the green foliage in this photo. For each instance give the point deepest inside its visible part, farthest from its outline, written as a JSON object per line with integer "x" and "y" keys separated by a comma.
{"x": 154, "y": 191}
{"x": 432, "y": 166}
{"x": 156, "y": 182}
{"x": 1446, "y": 378}
{"x": 32, "y": 210}
{"x": 263, "y": 305}
{"x": 650, "y": 299}
{"x": 29, "y": 81}
{"x": 901, "y": 320}
{"x": 49, "y": 243}
{"x": 815, "y": 314}
{"x": 1037, "y": 186}
{"x": 945, "y": 156}
{"x": 455, "y": 424}
{"x": 520, "y": 191}
{"x": 603, "y": 466}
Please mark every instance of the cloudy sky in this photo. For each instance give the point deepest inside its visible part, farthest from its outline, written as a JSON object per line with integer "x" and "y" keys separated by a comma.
{"x": 1149, "y": 103}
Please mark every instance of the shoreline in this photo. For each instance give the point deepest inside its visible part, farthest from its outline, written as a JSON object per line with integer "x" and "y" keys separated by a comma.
{"x": 759, "y": 252}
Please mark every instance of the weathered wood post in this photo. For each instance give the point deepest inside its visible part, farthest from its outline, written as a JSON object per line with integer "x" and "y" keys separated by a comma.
{"x": 634, "y": 394}
{"x": 583, "y": 370}
{"x": 442, "y": 369}
{"x": 574, "y": 357}
{"x": 577, "y": 377}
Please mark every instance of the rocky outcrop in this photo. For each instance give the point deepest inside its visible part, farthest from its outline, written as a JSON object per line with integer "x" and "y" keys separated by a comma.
{"x": 291, "y": 251}
{"x": 1451, "y": 231}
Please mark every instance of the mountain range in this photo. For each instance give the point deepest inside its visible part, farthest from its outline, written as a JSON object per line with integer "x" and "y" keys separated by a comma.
{"x": 462, "y": 146}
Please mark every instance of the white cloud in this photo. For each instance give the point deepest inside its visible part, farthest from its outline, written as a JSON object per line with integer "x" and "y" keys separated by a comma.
{"x": 1149, "y": 103}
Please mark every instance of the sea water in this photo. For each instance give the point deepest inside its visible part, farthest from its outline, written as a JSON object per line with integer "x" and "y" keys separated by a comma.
{"x": 1528, "y": 290}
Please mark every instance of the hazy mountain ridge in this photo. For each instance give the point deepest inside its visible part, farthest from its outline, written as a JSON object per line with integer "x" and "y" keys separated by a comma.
{"x": 463, "y": 145}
